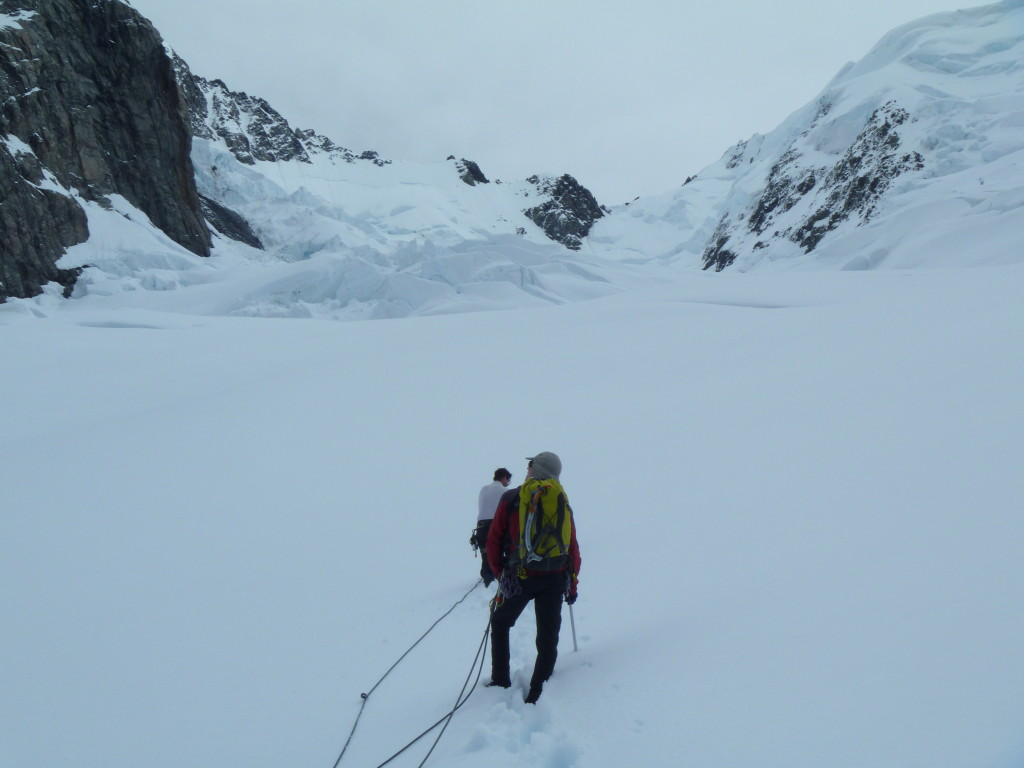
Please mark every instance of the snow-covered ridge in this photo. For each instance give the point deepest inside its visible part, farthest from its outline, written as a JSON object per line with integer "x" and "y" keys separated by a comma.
{"x": 254, "y": 131}
{"x": 251, "y": 128}
{"x": 918, "y": 142}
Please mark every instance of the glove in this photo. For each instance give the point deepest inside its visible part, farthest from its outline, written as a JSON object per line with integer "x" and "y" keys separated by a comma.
{"x": 570, "y": 598}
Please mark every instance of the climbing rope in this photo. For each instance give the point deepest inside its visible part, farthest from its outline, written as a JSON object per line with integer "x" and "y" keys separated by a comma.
{"x": 461, "y": 699}
{"x": 366, "y": 696}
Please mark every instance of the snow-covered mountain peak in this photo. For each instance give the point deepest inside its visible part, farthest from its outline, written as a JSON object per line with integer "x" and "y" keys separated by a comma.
{"x": 946, "y": 43}
{"x": 929, "y": 120}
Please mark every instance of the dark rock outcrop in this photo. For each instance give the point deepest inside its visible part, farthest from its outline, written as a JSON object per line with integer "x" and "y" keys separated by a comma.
{"x": 229, "y": 223}
{"x": 857, "y": 183}
{"x": 469, "y": 172}
{"x": 569, "y": 213}
{"x": 803, "y": 203}
{"x": 90, "y": 96}
{"x": 36, "y": 226}
{"x": 716, "y": 252}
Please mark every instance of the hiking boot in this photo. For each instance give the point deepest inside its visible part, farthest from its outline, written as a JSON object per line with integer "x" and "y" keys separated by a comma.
{"x": 499, "y": 684}
{"x": 532, "y": 696}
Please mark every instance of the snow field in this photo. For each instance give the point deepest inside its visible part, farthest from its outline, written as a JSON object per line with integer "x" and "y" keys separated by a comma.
{"x": 796, "y": 498}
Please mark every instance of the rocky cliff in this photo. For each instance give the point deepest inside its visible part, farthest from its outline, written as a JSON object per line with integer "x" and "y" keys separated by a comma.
{"x": 89, "y": 108}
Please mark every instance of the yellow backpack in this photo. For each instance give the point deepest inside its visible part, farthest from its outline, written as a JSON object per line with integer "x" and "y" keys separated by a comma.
{"x": 545, "y": 527}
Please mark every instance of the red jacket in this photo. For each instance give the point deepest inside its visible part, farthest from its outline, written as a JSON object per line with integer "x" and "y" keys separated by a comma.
{"x": 505, "y": 530}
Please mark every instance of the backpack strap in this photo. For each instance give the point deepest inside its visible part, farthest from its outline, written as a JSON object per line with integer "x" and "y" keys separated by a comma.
{"x": 527, "y": 524}
{"x": 535, "y": 528}
{"x": 555, "y": 528}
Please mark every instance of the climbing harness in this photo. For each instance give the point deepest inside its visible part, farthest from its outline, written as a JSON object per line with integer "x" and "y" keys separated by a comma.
{"x": 366, "y": 696}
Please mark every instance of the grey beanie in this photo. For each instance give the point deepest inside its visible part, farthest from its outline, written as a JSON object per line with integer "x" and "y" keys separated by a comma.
{"x": 546, "y": 466}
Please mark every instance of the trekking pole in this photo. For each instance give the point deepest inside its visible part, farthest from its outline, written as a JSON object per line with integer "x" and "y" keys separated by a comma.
{"x": 569, "y": 578}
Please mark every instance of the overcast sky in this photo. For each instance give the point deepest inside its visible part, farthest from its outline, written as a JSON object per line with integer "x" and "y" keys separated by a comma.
{"x": 629, "y": 96}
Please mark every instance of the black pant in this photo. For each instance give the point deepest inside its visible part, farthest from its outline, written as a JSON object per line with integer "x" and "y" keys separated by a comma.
{"x": 546, "y": 591}
{"x": 485, "y": 569}
{"x": 483, "y": 527}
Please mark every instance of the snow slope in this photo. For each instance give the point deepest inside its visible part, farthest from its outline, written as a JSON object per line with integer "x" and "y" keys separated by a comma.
{"x": 133, "y": 264}
{"x": 917, "y": 145}
{"x": 344, "y": 242}
{"x": 797, "y": 497}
